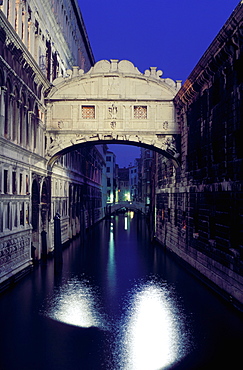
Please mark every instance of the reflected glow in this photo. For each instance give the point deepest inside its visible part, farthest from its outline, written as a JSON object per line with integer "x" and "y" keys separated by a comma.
{"x": 152, "y": 336}
{"x": 111, "y": 267}
{"x": 125, "y": 226}
{"x": 131, "y": 214}
{"x": 75, "y": 303}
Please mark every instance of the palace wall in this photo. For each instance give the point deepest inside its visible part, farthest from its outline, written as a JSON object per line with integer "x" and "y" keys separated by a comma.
{"x": 199, "y": 206}
{"x": 38, "y": 43}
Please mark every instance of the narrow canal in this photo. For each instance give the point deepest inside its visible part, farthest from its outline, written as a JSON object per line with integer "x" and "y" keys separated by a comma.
{"x": 117, "y": 303}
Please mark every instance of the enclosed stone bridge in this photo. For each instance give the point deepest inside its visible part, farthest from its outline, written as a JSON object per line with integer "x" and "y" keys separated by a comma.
{"x": 126, "y": 205}
{"x": 113, "y": 102}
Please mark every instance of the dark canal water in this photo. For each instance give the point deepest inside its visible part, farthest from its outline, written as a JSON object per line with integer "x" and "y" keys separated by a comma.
{"x": 117, "y": 303}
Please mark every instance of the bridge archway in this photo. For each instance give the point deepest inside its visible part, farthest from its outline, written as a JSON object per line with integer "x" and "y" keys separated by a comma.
{"x": 136, "y": 207}
{"x": 112, "y": 103}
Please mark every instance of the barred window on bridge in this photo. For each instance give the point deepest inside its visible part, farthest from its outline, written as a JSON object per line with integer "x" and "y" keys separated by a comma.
{"x": 140, "y": 112}
{"x": 88, "y": 111}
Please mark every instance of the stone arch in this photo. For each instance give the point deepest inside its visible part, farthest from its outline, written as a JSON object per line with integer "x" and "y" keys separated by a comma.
{"x": 170, "y": 154}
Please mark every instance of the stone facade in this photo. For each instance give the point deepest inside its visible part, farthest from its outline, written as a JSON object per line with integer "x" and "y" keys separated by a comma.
{"x": 113, "y": 102}
{"x": 111, "y": 175}
{"x": 40, "y": 41}
{"x": 200, "y": 204}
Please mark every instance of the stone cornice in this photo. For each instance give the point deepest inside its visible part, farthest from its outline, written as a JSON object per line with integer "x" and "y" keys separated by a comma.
{"x": 13, "y": 40}
{"x": 83, "y": 30}
{"x": 16, "y": 76}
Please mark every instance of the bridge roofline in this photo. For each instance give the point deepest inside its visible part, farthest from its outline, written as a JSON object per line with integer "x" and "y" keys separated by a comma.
{"x": 114, "y": 68}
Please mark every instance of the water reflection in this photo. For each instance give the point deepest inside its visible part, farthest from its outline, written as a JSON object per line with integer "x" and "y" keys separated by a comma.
{"x": 126, "y": 222}
{"x": 75, "y": 303}
{"x": 152, "y": 336}
{"x": 111, "y": 265}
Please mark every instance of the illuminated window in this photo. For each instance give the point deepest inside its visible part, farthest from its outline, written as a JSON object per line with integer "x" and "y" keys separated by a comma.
{"x": 140, "y": 112}
{"x": 88, "y": 112}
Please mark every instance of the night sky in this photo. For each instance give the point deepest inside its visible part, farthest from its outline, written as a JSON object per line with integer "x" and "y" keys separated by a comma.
{"x": 169, "y": 34}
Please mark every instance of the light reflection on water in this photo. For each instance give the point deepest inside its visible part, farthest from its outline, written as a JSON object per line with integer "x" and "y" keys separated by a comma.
{"x": 150, "y": 335}
{"x": 76, "y": 303}
{"x": 153, "y": 334}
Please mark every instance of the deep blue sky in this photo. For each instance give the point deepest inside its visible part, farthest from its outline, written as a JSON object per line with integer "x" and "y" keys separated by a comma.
{"x": 169, "y": 34}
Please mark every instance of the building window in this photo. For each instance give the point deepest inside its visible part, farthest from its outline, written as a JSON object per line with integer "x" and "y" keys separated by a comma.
{"x": 21, "y": 214}
{"x": 108, "y": 169}
{"x": 14, "y": 185}
{"x": 140, "y": 112}
{"x": 14, "y": 213}
{"x": 108, "y": 159}
{"x": 27, "y": 185}
{"x": 88, "y": 112}
{"x": 5, "y": 181}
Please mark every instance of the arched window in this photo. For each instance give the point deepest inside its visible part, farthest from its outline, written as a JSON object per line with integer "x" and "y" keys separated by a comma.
{"x": 44, "y": 194}
{"x": 15, "y": 120}
{"x": 16, "y": 19}
{"x": 35, "y": 121}
{"x": 8, "y": 9}
{"x": 8, "y": 111}
{"x": 27, "y": 123}
{"x": 22, "y": 114}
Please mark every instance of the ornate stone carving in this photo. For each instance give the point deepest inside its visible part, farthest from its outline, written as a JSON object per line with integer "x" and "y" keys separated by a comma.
{"x": 165, "y": 125}
{"x": 113, "y": 111}
{"x": 14, "y": 252}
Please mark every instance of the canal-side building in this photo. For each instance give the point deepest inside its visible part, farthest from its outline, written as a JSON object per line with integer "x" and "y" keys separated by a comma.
{"x": 39, "y": 42}
{"x": 111, "y": 175}
{"x": 124, "y": 194}
{"x": 133, "y": 180}
{"x": 199, "y": 205}
{"x": 147, "y": 174}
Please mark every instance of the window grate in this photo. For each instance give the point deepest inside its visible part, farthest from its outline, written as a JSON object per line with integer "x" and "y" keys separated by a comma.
{"x": 88, "y": 112}
{"x": 140, "y": 112}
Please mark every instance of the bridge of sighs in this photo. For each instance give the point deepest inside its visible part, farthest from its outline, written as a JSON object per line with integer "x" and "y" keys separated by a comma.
{"x": 113, "y": 102}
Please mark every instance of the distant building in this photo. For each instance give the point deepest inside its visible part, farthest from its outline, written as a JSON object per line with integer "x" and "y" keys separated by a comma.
{"x": 133, "y": 180}
{"x": 123, "y": 185}
{"x": 147, "y": 171}
{"x": 111, "y": 177}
